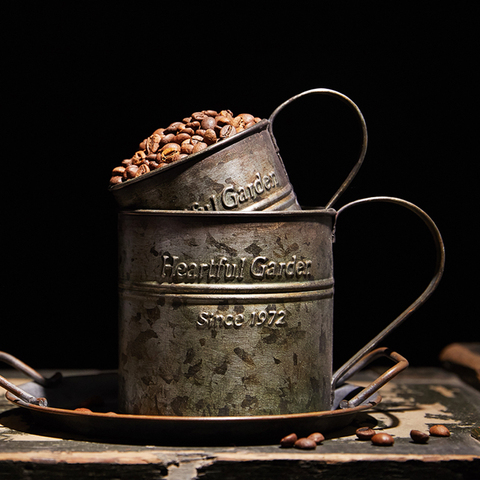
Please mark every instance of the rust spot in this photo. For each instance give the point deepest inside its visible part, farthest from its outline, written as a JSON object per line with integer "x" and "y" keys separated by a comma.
{"x": 249, "y": 401}
{"x": 220, "y": 246}
{"x": 136, "y": 348}
{"x": 224, "y": 411}
{"x": 254, "y": 249}
{"x": 250, "y": 380}
{"x": 244, "y": 356}
{"x": 148, "y": 380}
{"x": 221, "y": 370}
{"x": 153, "y": 314}
{"x": 194, "y": 369}
{"x": 189, "y": 356}
{"x": 271, "y": 338}
{"x": 179, "y": 404}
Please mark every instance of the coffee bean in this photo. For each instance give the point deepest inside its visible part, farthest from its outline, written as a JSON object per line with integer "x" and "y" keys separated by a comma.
{"x": 142, "y": 170}
{"x": 118, "y": 171}
{"x": 227, "y": 131}
{"x": 419, "y": 437}
{"x": 316, "y": 437}
{"x": 211, "y": 113}
{"x": 210, "y": 137}
{"x": 382, "y": 439}
{"x": 199, "y": 146}
{"x": 130, "y": 172}
{"x": 116, "y": 180}
{"x": 365, "y": 433}
{"x": 198, "y": 116}
{"x": 439, "y": 431}
{"x": 170, "y": 152}
{"x": 191, "y": 135}
{"x": 288, "y": 441}
{"x": 138, "y": 157}
{"x": 305, "y": 444}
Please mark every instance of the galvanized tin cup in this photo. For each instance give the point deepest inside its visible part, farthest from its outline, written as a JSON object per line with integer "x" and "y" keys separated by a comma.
{"x": 243, "y": 172}
{"x": 227, "y": 314}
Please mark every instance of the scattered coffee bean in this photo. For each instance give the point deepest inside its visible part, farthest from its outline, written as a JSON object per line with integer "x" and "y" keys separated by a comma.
{"x": 382, "y": 439}
{"x": 365, "y": 433}
{"x": 419, "y": 437}
{"x": 316, "y": 437}
{"x": 305, "y": 444}
{"x": 191, "y": 135}
{"x": 439, "y": 431}
{"x": 288, "y": 441}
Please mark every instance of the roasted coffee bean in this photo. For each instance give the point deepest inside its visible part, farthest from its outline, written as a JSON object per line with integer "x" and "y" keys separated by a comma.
{"x": 365, "y": 433}
{"x": 210, "y": 137}
{"x": 152, "y": 143}
{"x": 130, "y": 172}
{"x": 187, "y": 147}
{"x": 116, "y": 180}
{"x": 199, "y": 116}
{"x": 227, "y": 131}
{"x": 139, "y": 157}
{"x": 173, "y": 127}
{"x": 193, "y": 125}
{"x": 382, "y": 439}
{"x": 439, "y": 431}
{"x": 419, "y": 437}
{"x": 305, "y": 444}
{"x": 201, "y": 129}
{"x": 289, "y": 440}
{"x": 188, "y": 130}
{"x": 118, "y": 171}
{"x": 142, "y": 169}
{"x": 181, "y": 137}
{"x": 170, "y": 152}
{"x": 199, "y": 146}
{"x": 168, "y": 138}
{"x": 316, "y": 437}
{"x": 208, "y": 122}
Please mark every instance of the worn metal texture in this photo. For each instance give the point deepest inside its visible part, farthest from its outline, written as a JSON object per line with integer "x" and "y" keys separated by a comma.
{"x": 225, "y": 314}
{"x": 243, "y": 172}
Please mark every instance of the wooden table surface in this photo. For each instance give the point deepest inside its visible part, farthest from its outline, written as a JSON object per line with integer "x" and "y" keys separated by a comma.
{"x": 416, "y": 399}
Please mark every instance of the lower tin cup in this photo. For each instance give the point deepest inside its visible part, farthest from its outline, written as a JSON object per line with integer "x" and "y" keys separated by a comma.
{"x": 231, "y": 314}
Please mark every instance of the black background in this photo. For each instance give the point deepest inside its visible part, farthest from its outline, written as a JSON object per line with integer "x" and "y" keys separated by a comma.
{"x": 83, "y": 85}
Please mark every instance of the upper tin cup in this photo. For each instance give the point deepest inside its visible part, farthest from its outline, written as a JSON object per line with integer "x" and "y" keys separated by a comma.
{"x": 242, "y": 172}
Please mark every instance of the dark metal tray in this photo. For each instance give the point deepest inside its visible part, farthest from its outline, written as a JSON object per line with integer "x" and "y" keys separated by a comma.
{"x": 99, "y": 394}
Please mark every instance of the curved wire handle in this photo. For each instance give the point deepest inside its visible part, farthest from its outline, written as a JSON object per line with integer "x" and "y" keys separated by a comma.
{"x": 33, "y": 374}
{"x": 347, "y": 370}
{"x": 347, "y": 100}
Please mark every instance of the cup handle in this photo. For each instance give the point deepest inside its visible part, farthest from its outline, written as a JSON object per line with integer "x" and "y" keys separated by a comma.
{"x": 351, "y": 366}
{"x": 347, "y": 100}
{"x": 33, "y": 374}
{"x": 401, "y": 363}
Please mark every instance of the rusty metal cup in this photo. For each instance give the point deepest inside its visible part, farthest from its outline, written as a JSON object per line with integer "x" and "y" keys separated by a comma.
{"x": 231, "y": 313}
{"x": 243, "y": 172}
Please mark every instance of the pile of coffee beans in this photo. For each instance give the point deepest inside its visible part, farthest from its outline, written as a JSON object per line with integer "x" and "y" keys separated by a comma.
{"x": 180, "y": 139}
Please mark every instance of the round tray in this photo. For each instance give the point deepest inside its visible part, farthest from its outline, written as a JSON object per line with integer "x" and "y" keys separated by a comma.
{"x": 99, "y": 393}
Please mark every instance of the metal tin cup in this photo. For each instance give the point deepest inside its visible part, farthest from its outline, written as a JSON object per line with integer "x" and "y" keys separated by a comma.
{"x": 242, "y": 172}
{"x": 230, "y": 314}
